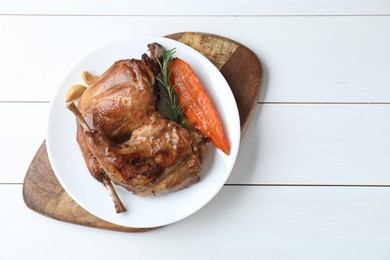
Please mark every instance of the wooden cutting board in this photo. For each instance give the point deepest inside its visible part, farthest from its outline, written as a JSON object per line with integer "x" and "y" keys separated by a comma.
{"x": 242, "y": 70}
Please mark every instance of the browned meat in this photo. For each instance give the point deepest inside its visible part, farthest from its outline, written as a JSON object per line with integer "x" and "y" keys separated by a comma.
{"x": 131, "y": 143}
{"x": 160, "y": 157}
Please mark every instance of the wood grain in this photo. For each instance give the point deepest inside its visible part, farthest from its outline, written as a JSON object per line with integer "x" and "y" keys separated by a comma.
{"x": 43, "y": 193}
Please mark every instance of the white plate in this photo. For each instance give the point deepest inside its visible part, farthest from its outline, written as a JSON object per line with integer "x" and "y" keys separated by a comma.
{"x": 69, "y": 166}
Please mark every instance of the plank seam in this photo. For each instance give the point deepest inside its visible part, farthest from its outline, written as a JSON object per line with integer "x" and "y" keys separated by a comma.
{"x": 280, "y": 185}
{"x": 198, "y": 15}
{"x": 312, "y": 185}
{"x": 320, "y": 103}
{"x": 19, "y": 102}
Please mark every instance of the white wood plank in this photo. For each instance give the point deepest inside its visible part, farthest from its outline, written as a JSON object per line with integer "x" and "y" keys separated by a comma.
{"x": 23, "y": 129}
{"x": 306, "y": 59}
{"x": 285, "y": 144}
{"x": 198, "y": 7}
{"x": 239, "y": 223}
{"x": 316, "y": 144}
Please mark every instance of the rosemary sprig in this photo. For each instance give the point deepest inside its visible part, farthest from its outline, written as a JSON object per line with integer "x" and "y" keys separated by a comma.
{"x": 171, "y": 98}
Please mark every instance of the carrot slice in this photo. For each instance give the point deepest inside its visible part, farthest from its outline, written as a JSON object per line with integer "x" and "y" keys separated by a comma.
{"x": 198, "y": 106}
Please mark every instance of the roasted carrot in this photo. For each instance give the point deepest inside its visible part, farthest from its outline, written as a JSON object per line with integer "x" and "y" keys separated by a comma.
{"x": 197, "y": 104}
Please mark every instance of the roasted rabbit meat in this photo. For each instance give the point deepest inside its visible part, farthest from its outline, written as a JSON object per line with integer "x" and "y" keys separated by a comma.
{"x": 129, "y": 141}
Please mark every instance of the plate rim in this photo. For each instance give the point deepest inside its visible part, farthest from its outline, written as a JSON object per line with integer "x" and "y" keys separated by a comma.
{"x": 60, "y": 86}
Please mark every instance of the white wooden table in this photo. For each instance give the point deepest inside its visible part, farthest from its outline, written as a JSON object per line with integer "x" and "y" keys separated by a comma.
{"x": 312, "y": 179}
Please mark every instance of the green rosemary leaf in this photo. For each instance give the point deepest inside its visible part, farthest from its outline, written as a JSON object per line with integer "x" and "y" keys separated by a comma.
{"x": 171, "y": 98}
